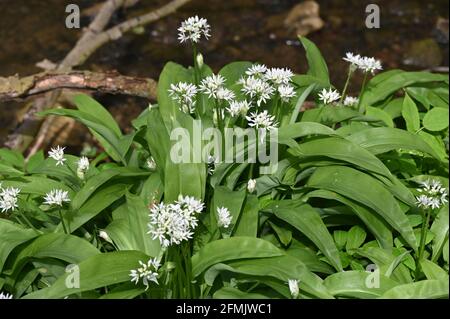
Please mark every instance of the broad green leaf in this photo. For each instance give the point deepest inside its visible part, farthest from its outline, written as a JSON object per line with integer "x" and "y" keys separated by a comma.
{"x": 369, "y": 192}
{"x": 356, "y": 237}
{"x": 358, "y": 284}
{"x": 433, "y": 271}
{"x": 307, "y": 220}
{"x": 384, "y": 139}
{"x": 379, "y": 114}
{"x": 343, "y": 150}
{"x": 98, "y": 271}
{"x": 411, "y": 114}
{"x": 234, "y": 293}
{"x": 436, "y": 119}
{"x": 232, "y": 200}
{"x": 439, "y": 228}
{"x": 249, "y": 219}
{"x": 11, "y": 236}
{"x": 425, "y": 289}
{"x": 229, "y": 249}
{"x": 317, "y": 65}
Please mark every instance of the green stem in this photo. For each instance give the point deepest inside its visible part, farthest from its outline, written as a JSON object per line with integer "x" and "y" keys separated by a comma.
{"x": 196, "y": 67}
{"x": 344, "y": 91}
{"x": 363, "y": 87}
{"x": 62, "y": 221}
{"x": 27, "y": 220}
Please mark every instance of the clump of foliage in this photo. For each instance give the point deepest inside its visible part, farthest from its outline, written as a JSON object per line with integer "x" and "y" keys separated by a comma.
{"x": 356, "y": 208}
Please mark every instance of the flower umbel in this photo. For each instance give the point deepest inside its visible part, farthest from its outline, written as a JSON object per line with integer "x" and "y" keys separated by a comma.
{"x": 238, "y": 108}
{"x": 329, "y": 96}
{"x": 211, "y": 84}
{"x": 56, "y": 197}
{"x": 83, "y": 166}
{"x": 261, "y": 120}
{"x": 286, "y": 92}
{"x": 251, "y": 185}
{"x": 432, "y": 194}
{"x": 256, "y": 88}
{"x": 174, "y": 223}
{"x": 8, "y": 199}
{"x": 256, "y": 70}
{"x": 223, "y": 217}
{"x": 147, "y": 272}
{"x": 193, "y": 29}
{"x": 351, "y": 101}
{"x": 184, "y": 94}
{"x": 57, "y": 154}
{"x": 279, "y": 76}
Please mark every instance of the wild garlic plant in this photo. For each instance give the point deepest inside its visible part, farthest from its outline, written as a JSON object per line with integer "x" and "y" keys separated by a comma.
{"x": 339, "y": 199}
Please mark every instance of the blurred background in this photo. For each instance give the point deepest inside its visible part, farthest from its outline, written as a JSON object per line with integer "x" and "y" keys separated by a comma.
{"x": 413, "y": 35}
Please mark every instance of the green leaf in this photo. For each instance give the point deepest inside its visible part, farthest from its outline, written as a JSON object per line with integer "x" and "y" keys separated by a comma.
{"x": 95, "y": 272}
{"x": 436, "y": 119}
{"x": 317, "y": 65}
{"x": 439, "y": 228}
{"x": 343, "y": 179}
{"x": 229, "y": 249}
{"x": 233, "y": 200}
{"x": 433, "y": 271}
{"x": 384, "y": 139}
{"x": 307, "y": 220}
{"x": 343, "y": 150}
{"x": 356, "y": 237}
{"x": 379, "y": 114}
{"x": 358, "y": 284}
{"x": 425, "y": 289}
{"x": 234, "y": 293}
{"x": 411, "y": 114}
{"x": 340, "y": 238}
{"x": 248, "y": 221}
{"x": 11, "y": 236}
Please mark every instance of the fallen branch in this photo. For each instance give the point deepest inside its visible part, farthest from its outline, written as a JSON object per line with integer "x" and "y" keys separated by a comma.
{"x": 13, "y": 88}
{"x": 93, "y": 38}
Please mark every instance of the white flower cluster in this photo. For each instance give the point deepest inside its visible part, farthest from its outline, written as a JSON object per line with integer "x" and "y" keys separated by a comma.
{"x": 83, "y": 166}
{"x": 147, "y": 272}
{"x": 184, "y": 94}
{"x": 432, "y": 194}
{"x": 237, "y": 108}
{"x": 5, "y": 296}
{"x": 151, "y": 164}
{"x": 262, "y": 120}
{"x": 351, "y": 101}
{"x": 223, "y": 217}
{"x": 174, "y": 223}
{"x": 293, "y": 288}
{"x": 329, "y": 96}
{"x": 56, "y": 197}
{"x": 251, "y": 185}
{"x": 364, "y": 63}
{"x": 8, "y": 198}
{"x": 261, "y": 83}
{"x": 193, "y": 29}
{"x": 57, "y": 154}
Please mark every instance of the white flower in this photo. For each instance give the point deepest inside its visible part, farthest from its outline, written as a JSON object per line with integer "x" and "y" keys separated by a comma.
{"x": 56, "y": 197}
{"x": 5, "y": 296}
{"x": 329, "y": 96}
{"x": 151, "y": 164}
{"x": 256, "y": 88}
{"x": 369, "y": 64}
{"x": 147, "y": 272}
{"x": 83, "y": 166}
{"x": 211, "y": 84}
{"x": 278, "y": 76}
{"x": 251, "y": 185}
{"x": 286, "y": 92}
{"x": 103, "y": 234}
{"x": 57, "y": 154}
{"x": 8, "y": 199}
{"x": 237, "y": 108}
{"x": 432, "y": 194}
{"x": 223, "y": 217}
{"x": 293, "y": 288}
{"x": 257, "y": 70}
{"x": 193, "y": 29}
{"x": 261, "y": 120}
{"x": 224, "y": 94}
{"x": 355, "y": 60}
{"x": 184, "y": 94}
{"x": 351, "y": 101}
{"x": 174, "y": 223}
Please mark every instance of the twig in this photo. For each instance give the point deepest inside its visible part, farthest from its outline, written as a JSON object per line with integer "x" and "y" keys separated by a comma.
{"x": 13, "y": 88}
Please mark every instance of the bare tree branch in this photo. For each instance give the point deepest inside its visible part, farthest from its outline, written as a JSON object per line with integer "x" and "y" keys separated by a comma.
{"x": 13, "y": 88}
